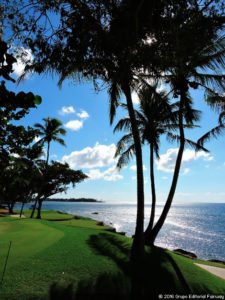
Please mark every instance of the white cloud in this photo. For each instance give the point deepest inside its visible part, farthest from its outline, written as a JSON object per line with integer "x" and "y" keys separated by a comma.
{"x": 111, "y": 174}
{"x": 24, "y": 56}
{"x": 66, "y": 110}
{"x": 167, "y": 161}
{"x": 92, "y": 157}
{"x": 74, "y": 125}
{"x": 83, "y": 114}
{"x": 95, "y": 158}
{"x": 134, "y": 168}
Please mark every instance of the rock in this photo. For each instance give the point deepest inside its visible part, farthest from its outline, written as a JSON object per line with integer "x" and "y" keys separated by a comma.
{"x": 95, "y": 213}
{"x": 122, "y": 233}
{"x": 185, "y": 253}
{"x": 100, "y": 224}
{"x": 112, "y": 229}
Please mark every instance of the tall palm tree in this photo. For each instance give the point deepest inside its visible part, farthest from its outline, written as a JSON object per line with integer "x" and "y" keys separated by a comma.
{"x": 189, "y": 58}
{"x": 155, "y": 117}
{"x": 107, "y": 41}
{"x": 50, "y": 131}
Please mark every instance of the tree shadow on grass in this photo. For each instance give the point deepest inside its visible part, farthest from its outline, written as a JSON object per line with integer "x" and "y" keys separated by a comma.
{"x": 158, "y": 274}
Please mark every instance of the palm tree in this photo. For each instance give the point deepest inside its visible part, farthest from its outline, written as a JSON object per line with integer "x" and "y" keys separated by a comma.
{"x": 107, "y": 41}
{"x": 189, "y": 58}
{"x": 155, "y": 117}
{"x": 109, "y": 54}
{"x": 50, "y": 131}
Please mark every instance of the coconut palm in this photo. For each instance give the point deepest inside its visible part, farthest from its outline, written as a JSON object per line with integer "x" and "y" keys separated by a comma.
{"x": 109, "y": 52}
{"x": 156, "y": 117}
{"x": 193, "y": 61}
{"x": 107, "y": 41}
{"x": 50, "y": 131}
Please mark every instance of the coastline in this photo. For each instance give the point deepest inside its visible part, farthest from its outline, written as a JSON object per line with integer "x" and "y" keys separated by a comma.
{"x": 179, "y": 251}
{"x": 186, "y": 227}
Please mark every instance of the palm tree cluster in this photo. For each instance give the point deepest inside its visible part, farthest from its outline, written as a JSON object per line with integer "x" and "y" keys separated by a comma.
{"x": 126, "y": 44}
{"x": 156, "y": 117}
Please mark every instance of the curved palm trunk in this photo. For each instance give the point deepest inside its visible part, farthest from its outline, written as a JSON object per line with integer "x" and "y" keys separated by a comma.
{"x": 34, "y": 208}
{"x": 21, "y": 209}
{"x": 167, "y": 206}
{"x": 152, "y": 215}
{"x": 137, "y": 249}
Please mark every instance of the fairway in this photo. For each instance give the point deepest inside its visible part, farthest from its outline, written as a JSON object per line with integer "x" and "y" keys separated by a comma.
{"x": 67, "y": 251}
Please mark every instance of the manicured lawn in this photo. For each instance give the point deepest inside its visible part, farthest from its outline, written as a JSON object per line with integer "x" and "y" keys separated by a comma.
{"x": 67, "y": 251}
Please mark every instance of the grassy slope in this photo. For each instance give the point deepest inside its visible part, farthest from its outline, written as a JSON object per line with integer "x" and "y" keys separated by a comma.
{"x": 67, "y": 251}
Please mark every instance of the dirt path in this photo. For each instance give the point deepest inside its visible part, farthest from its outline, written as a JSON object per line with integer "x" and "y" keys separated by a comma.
{"x": 220, "y": 272}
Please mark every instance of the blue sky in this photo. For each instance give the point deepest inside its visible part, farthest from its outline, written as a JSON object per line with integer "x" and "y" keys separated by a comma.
{"x": 91, "y": 145}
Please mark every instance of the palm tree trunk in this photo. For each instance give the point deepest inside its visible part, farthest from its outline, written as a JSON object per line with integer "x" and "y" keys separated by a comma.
{"x": 137, "y": 249}
{"x": 21, "y": 209}
{"x": 170, "y": 197}
{"x": 34, "y": 208}
{"x": 10, "y": 206}
{"x": 47, "y": 158}
{"x": 39, "y": 209}
{"x": 152, "y": 177}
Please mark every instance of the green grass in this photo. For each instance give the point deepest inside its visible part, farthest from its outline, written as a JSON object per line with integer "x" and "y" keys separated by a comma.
{"x": 68, "y": 251}
{"x": 48, "y": 215}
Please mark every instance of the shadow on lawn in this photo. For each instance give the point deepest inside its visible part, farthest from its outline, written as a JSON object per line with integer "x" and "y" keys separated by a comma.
{"x": 158, "y": 274}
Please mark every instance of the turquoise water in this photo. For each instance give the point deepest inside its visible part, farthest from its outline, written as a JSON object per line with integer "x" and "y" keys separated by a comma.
{"x": 199, "y": 228}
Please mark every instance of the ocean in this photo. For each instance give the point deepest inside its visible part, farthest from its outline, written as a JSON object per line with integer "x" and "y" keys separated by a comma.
{"x": 199, "y": 228}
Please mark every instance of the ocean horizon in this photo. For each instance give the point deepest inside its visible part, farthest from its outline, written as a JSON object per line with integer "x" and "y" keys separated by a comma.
{"x": 196, "y": 227}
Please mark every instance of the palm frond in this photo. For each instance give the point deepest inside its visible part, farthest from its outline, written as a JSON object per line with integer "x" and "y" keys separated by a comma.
{"x": 196, "y": 146}
{"x": 39, "y": 126}
{"x": 123, "y": 143}
{"x": 114, "y": 92}
{"x": 215, "y": 101}
{"x": 59, "y": 140}
{"x": 123, "y": 124}
{"x": 211, "y": 57}
{"x": 221, "y": 118}
{"x": 209, "y": 80}
{"x": 213, "y": 133}
{"x": 125, "y": 157}
{"x": 61, "y": 131}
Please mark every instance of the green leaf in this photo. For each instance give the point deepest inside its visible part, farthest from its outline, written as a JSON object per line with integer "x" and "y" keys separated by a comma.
{"x": 37, "y": 100}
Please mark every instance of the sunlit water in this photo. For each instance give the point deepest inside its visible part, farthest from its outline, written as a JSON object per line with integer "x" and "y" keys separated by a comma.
{"x": 199, "y": 228}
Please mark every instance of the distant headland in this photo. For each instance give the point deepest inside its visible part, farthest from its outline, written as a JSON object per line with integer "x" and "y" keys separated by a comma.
{"x": 74, "y": 200}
